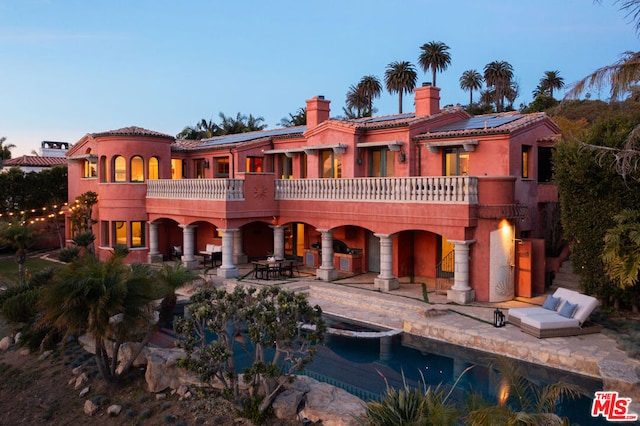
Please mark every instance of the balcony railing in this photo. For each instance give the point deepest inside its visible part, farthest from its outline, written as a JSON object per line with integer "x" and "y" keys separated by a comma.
{"x": 201, "y": 189}
{"x": 424, "y": 189}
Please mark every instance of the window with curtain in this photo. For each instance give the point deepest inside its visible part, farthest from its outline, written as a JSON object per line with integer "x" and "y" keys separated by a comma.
{"x": 286, "y": 167}
{"x": 382, "y": 163}
{"x": 137, "y": 169}
{"x": 153, "y": 168}
{"x": 525, "y": 161}
{"x": 90, "y": 165}
{"x": 331, "y": 164}
{"x": 456, "y": 162}
{"x": 222, "y": 167}
{"x": 120, "y": 232}
{"x": 198, "y": 168}
{"x": 254, "y": 165}
{"x": 120, "y": 169}
{"x": 176, "y": 169}
{"x": 104, "y": 233}
{"x": 137, "y": 234}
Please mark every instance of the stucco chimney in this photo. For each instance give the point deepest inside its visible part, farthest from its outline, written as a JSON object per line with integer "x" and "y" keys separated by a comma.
{"x": 427, "y": 100}
{"x": 317, "y": 111}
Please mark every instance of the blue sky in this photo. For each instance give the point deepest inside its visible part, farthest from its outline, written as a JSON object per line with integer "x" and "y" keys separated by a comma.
{"x": 71, "y": 67}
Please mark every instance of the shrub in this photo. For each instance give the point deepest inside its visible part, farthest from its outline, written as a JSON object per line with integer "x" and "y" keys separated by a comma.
{"x": 69, "y": 254}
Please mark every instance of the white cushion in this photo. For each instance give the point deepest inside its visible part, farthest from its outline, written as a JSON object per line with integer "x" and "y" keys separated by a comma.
{"x": 519, "y": 313}
{"x": 549, "y": 321}
{"x": 586, "y": 304}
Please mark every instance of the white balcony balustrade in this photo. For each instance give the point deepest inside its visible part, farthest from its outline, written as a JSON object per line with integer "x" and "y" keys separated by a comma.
{"x": 200, "y": 189}
{"x": 423, "y": 189}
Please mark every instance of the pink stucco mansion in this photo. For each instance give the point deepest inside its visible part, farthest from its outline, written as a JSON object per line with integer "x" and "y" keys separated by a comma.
{"x": 434, "y": 193}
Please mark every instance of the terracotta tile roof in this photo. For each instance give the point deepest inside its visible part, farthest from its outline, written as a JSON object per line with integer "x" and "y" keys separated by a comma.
{"x": 505, "y": 123}
{"x": 34, "y": 161}
{"x": 132, "y": 131}
{"x": 393, "y": 120}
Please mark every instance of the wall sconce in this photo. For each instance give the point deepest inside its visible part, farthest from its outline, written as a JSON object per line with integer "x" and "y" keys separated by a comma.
{"x": 402, "y": 157}
{"x": 206, "y": 164}
{"x": 498, "y": 318}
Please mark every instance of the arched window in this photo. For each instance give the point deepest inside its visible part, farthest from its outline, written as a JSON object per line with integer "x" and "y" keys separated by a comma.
{"x": 120, "y": 169}
{"x": 137, "y": 169}
{"x": 90, "y": 165}
{"x": 153, "y": 168}
{"x": 103, "y": 169}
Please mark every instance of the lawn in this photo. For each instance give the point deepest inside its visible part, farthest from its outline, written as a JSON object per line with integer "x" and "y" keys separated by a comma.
{"x": 9, "y": 268}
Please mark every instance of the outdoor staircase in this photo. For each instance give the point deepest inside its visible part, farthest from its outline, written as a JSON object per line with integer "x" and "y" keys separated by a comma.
{"x": 565, "y": 277}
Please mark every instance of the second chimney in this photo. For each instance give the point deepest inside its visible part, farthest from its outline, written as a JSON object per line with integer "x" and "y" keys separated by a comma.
{"x": 317, "y": 111}
{"x": 427, "y": 100}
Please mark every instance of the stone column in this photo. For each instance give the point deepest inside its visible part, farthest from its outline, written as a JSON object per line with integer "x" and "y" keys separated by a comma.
{"x": 154, "y": 255}
{"x": 386, "y": 280}
{"x": 239, "y": 257}
{"x": 278, "y": 241}
{"x": 227, "y": 269}
{"x": 327, "y": 272}
{"x": 461, "y": 291}
{"x": 188, "y": 246}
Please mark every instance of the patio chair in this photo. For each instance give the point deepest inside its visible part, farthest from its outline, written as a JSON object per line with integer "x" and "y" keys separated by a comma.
{"x": 565, "y": 313}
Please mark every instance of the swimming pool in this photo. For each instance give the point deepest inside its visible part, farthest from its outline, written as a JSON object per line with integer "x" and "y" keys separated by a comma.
{"x": 363, "y": 366}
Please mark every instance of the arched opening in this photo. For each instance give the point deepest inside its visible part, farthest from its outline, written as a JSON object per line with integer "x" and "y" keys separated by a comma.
{"x": 137, "y": 169}
{"x": 120, "y": 169}
{"x": 153, "y": 168}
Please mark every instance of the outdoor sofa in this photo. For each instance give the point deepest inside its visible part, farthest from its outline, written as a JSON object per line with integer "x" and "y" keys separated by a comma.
{"x": 565, "y": 313}
{"x": 213, "y": 252}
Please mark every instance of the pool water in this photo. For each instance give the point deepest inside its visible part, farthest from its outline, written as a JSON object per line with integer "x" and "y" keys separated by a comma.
{"x": 364, "y": 366}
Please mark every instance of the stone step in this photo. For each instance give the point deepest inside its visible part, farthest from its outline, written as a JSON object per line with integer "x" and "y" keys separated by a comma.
{"x": 373, "y": 301}
{"x": 566, "y": 278}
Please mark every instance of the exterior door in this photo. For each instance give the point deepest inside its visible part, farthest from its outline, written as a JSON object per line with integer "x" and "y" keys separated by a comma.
{"x": 373, "y": 253}
{"x": 523, "y": 259}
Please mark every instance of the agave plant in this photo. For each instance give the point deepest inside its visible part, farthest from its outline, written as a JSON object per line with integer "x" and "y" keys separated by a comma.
{"x": 423, "y": 405}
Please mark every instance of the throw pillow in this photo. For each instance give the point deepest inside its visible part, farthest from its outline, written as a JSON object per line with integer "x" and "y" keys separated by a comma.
{"x": 568, "y": 309}
{"x": 551, "y": 303}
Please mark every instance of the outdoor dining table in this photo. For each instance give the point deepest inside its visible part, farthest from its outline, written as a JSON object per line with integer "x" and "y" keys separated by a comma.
{"x": 266, "y": 269}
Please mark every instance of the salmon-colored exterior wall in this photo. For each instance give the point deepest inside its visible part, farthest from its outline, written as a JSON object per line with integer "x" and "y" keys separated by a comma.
{"x": 416, "y": 225}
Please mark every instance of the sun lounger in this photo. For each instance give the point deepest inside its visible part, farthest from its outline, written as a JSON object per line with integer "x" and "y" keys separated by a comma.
{"x": 563, "y": 314}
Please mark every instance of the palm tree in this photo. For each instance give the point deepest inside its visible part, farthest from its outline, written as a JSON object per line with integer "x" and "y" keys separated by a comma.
{"x": 297, "y": 119}
{"x": 498, "y": 74}
{"x": 370, "y": 88}
{"x": 172, "y": 278}
{"x": 355, "y": 99}
{"x": 550, "y": 81}
{"x": 621, "y": 76}
{"x": 400, "y": 77}
{"x": 434, "y": 55}
{"x": 111, "y": 301}
{"x": 471, "y": 80}
{"x": 5, "y": 150}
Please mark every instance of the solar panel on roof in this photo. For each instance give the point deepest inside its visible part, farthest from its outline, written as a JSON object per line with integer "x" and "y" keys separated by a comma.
{"x": 387, "y": 118}
{"x": 245, "y": 137}
{"x": 480, "y": 122}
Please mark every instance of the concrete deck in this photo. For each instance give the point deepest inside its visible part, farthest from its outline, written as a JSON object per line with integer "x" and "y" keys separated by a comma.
{"x": 594, "y": 355}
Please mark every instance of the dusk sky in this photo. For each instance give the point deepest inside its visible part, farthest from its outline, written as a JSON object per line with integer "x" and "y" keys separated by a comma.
{"x": 71, "y": 67}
